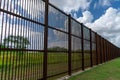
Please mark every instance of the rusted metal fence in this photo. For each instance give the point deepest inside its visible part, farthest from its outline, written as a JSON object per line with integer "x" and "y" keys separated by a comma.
{"x": 39, "y": 41}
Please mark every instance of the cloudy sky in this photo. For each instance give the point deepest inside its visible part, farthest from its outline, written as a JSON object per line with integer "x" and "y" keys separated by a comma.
{"x": 102, "y": 16}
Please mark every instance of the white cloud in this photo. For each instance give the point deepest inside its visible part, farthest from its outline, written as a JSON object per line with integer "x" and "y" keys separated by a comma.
{"x": 105, "y": 2}
{"x": 58, "y": 43}
{"x": 87, "y": 17}
{"x": 36, "y": 8}
{"x": 59, "y": 35}
{"x": 108, "y": 25}
{"x": 35, "y": 34}
{"x": 71, "y": 5}
{"x": 75, "y": 15}
{"x": 33, "y": 7}
{"x": 102, "y": 3}
{"x": 58, "y": 39}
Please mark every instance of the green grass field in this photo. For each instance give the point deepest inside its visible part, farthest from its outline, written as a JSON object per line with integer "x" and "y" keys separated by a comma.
{"x": 37, "y": 57}
{"x": 13, "y": 62}
{"x": 107, "y": 71}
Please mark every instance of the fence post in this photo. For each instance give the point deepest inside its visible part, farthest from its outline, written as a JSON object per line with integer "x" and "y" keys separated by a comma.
{"x": 96, "y": 48}
{"x": 91, "y": 49}
{"x": 109, "y": 50}
{"x": 100, "y": 50}
{"x": 102, "y": 53}
{"x": 103, "y": 49}
{"x": 82, "y": 46}
{"x": 69, "y": 46}
{"x": 106, "y": 51}
{"x": 45, "y": 41}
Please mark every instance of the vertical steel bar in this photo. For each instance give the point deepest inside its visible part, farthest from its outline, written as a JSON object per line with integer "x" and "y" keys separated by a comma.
{"x": 10, "y": 64}
{"x": 34, "y": 42}
{"x": 25, "y": 33}
{"x": 103, "y": 50}
{"x": 110, "y": 50}
{"x": 69, "y": 46}
{"x": 22, "y": 50}
{"x": 16, "y": 52}
{"x": 102, "y": 53}
{"x": 107, "y": 51}
{"x": 31, "y": 46}
{"x": 3, "y": 76}
{"x": 27, "y": 60}
{"x": 5, "y": 46}
{"x": 30, "y": 35}
{"x": 82, "y": 46}
{"x": 96, "y": 35}
{"x": 24, "y": 36}
{"x": 19, "y": 53}
{"x": 13, "y": 29}
{"x": 91, "y": 48}
{"x": 35, "y": 66}
{"x": 21, "y": 22}
{"x": 8, "y": 54}
{"x": 32, "y": 68}
{"x": 2, "y": 28}
{"x": 45, "y": 41}
{"x": 100, "y": 49}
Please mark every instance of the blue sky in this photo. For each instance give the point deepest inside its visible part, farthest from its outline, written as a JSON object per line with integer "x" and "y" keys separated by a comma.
{"x": 33, "y": 9}
{"x": 102, "y": 16}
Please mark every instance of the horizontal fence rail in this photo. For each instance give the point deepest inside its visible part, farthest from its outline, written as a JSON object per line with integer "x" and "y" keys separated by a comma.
{"x": 39, "y": 41}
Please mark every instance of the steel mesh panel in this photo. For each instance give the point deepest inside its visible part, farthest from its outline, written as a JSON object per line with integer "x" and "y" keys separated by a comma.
{"x": 20, "y": 51}
{"x": 86, "y": 53}
{"x": 57, "y": 19}
{"x": 76, "y": 28}
{"x": 76, "y": 53}
{"x": 31, "y": 9}
{"x": 58, "y": 57}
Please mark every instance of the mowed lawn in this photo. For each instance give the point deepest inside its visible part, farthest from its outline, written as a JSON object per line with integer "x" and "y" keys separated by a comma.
{"x": 30, "y": 63}
{"x": 107, "y": 71}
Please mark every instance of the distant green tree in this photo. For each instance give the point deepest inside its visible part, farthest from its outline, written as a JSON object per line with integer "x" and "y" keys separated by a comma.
{"x": 1, "y": 46}
{"x": 57, "y": 48}
{"x": 78, "y": 50}
{"x": 17, "y": 42}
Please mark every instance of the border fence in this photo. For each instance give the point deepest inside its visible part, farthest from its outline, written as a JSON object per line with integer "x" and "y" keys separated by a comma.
{"x": 39, "y": 41}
